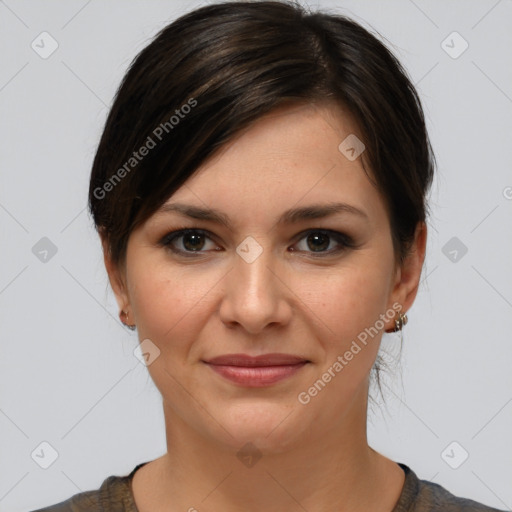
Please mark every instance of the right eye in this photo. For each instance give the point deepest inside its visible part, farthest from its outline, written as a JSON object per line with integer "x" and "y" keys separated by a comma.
{"x": 192, "y": 241}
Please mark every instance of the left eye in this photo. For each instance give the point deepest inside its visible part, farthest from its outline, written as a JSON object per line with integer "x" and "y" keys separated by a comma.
{"x": 321, "y": 240}
{"x": 193, "y": 241}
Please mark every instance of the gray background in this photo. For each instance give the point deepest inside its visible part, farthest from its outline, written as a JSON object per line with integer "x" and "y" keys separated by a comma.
{"x": 68, "y": 375}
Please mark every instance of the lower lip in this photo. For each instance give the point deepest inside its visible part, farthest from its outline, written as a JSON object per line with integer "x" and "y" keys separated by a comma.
{"x": 256, "y": 376}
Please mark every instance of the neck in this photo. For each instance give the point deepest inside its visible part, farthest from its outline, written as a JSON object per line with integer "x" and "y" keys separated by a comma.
{"x": 333, "y": 469}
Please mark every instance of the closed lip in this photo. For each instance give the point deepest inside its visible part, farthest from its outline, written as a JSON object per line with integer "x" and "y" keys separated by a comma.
{"x": 246, "y": 360}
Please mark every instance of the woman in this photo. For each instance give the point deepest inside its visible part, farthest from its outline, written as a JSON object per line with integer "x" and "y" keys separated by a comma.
{"x": 260, "y": 193}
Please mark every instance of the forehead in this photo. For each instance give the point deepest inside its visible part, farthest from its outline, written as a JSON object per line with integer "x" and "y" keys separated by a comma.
{"x": 288, "y": 157}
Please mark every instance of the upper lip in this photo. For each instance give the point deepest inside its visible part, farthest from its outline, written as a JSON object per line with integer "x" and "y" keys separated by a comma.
{"x": 263, "y": 360}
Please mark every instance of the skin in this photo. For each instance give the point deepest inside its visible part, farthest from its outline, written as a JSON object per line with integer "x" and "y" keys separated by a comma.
{"x": 315, "y": 456}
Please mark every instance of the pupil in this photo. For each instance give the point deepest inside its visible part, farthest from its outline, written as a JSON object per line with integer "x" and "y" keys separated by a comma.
{"x": 316, "y": 238}
{"x": 192, "y": 236}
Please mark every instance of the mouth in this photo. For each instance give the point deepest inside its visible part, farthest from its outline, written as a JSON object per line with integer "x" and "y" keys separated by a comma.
{"x": 256, "y": 371}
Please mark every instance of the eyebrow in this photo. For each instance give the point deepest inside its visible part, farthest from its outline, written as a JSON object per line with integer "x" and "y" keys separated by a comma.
{"x": 294, "y": 215}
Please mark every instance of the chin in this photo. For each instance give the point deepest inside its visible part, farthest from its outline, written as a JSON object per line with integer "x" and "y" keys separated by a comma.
{"x": 272, "y": 428}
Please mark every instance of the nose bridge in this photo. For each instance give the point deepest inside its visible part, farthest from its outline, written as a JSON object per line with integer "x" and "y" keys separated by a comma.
{"x": 252, "y": 267}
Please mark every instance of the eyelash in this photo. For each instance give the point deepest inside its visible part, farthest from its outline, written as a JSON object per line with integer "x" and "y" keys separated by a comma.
{"x": 344, "y": 240}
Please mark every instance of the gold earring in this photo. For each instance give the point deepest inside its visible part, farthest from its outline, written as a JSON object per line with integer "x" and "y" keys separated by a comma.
{"x": 122, "y": 314}
{"x": 399, "y": 323}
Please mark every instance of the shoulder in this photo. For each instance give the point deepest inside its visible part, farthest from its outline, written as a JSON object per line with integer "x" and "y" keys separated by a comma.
{"x": 424, "y": 496}
{"x": 114, "y": 495}
{"x": 89, "y": 500}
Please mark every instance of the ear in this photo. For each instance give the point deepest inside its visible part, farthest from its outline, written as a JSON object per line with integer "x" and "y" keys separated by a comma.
{"x": 115, "y": 276}
{"x": 408, "y": 274}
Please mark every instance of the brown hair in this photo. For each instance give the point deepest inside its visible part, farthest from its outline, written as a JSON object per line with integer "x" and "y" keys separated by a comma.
{"x": 215, "y": 70}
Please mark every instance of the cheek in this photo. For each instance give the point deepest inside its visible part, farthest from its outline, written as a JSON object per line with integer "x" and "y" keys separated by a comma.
{"x": 347, "y": 300}
{"x": 167, "y": 302}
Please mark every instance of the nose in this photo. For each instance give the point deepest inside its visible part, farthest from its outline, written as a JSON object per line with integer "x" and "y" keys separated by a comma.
{"x": 256, "y": 296}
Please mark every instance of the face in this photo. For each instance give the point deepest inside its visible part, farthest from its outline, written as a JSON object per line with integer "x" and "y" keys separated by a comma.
{"x": 319, "y": 289}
